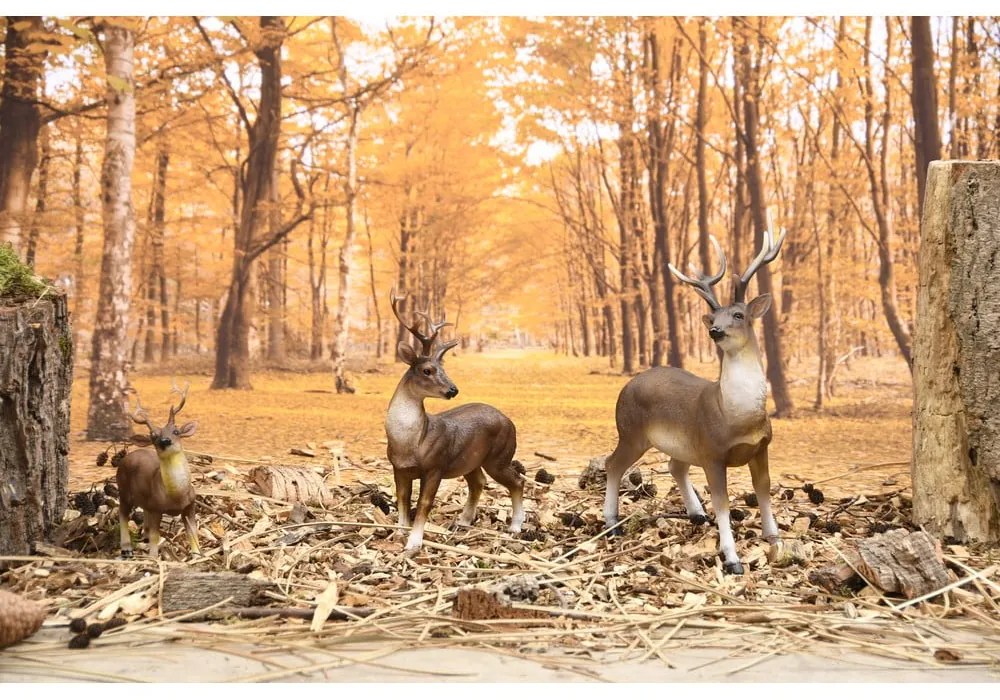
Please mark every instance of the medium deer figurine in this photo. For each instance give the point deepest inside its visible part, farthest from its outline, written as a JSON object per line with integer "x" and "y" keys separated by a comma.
{"x": 157, "y": 480}
{"x": 464, "y": 441}
{"x": 715, "y": 425}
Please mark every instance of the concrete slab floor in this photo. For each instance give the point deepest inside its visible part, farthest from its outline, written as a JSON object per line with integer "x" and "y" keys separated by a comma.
{"x": 178, "y": 661}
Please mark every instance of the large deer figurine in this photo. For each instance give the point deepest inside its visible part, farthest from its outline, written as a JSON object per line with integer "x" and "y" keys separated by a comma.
{"x": 157, "y": 480}
{"x": 715, "y": 425}
{"x": 464, "y": 441}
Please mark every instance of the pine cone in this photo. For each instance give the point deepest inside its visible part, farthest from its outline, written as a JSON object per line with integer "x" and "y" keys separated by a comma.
{"x": 119, "y": 456}
{"x": 102, "y": 459}
{"x": 19, "y": 618}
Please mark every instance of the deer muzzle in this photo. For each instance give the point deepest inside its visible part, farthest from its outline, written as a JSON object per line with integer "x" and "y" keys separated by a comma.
{"x": 716, "y": 333}
{"x": 452, "y": 392}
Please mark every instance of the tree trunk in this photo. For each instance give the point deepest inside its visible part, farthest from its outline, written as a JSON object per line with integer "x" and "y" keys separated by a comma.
{"x": 923, "y": 97}
{"x": 345, "y": 276}
{"x": 108, "y": 371}
{"x": 956, "y": 428}
{"x": 19, "y": 122}
{"x": 232, "y": 348}
{"x": 773, "y": 346}
{"x": 80, "y": 278}
{"x": 36, "y": 375}
{"x": 41, "y": 200}
{"x": 277, "y": 285}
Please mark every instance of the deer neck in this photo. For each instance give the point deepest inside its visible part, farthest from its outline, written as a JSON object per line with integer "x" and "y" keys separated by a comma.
{"x": 742, "y": 384}
{"x": 174, "y": 473}
{"x": 406, "y": 420}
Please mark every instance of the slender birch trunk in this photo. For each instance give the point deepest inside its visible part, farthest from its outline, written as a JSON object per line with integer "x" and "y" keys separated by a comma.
{"x": 108, "y": 371}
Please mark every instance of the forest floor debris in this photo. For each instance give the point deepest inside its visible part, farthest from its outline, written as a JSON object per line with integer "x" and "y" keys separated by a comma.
{"x": 656, "y": 590}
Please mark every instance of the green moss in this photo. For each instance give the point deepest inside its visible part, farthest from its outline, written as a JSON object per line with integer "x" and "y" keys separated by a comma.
{"x": 66, "y": 346}
{"x": 16, "y": 278}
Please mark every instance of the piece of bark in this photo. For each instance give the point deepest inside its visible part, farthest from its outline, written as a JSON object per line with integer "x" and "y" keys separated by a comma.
{"x": 302, "y": 452}
{"x": 842, "y": 575}
{"x": 956, "y": 427}
{"x": 477, "y": 604}
{"x": 903, "y": 562}
{"x": 36, "y": 368}
{"x": 291, "y": 485}
{"x": 190, "y": 590}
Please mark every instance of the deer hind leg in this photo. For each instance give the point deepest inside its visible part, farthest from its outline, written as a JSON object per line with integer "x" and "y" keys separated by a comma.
{"x": 716, "y": 475}
{"x": 692, "y": 504}
{"x": 506, "y": 475}
{"x": 476, "y": 480}
{"x": 191, "y": 526}
{"x": 624, "y": 456}
{"x": 428, "y": 490}
{"x": 152, "y": 524}
{"x": 762, "y": 487}
{"x": 124, "y": 510}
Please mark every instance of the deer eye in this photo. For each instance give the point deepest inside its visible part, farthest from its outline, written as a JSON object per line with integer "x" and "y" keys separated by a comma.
{"x": 176, "y": 431}
{"x": 738, "y": 315}
{"x": 428, "y": 371}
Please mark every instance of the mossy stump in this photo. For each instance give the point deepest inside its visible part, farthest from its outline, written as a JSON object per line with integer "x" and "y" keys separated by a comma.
{"x": 36, "y": 370}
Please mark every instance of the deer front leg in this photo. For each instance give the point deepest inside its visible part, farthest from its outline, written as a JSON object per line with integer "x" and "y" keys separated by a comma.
{"x": 716, "y": 475}
{"x": 762, "y": 487}
{"x": 404, "y": 492}
{"x": 428, "y": 490}
{"x": 152, "y": 524}
{"x": 191, "y": 526}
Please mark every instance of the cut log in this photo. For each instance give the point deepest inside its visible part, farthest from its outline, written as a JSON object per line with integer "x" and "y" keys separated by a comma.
{"x": 189, "y": 590}
{"x": 36, "y": 369}
{"x": 956, "y": 386}
{"x": 291, "y": 485}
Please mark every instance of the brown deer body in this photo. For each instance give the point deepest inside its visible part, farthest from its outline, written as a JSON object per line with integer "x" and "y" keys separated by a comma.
{"x": 714, "y": 425}
{"x": 463, "y": 442}
{"x": 157, "y": 480}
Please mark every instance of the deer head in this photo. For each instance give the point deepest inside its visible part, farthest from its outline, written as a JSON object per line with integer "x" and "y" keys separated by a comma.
{"x": 165, "y": 440}
{"x": 730, "y": 326}
{"x": 426, "y": 376}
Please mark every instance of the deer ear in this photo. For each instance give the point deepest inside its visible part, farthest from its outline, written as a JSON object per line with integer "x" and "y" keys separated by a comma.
{"x": 187, "y": 430}
{"x": 708, "y": 320}
{"x": 405, "y": 353}
{"x": 141, "y": 440}
{"x": 759, "y": 306}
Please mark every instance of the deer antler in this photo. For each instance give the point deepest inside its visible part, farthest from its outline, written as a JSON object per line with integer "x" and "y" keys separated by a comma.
{"x": 175, "y": 390}
{"x": 704, "y": 283}
{"x": 427, "y": 342}
{"x": 768, "y": 252}
{"x": 139, "y": 415}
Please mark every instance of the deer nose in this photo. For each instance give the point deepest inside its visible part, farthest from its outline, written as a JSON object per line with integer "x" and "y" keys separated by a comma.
{"x": 163, "y": 443}
{"x": 716, "y": 333}
{"x": 451, "y": 393}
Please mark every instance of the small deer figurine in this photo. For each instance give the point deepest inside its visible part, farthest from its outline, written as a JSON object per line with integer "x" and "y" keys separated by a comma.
{"x": 157, "y": 480}
{"x": 464, "y": 441}
{"x": 715, "y": 425}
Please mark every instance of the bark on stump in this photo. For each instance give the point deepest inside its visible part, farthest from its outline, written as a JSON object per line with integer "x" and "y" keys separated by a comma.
{"x": 956, "y": 384}
{"x": 36, "y": 370}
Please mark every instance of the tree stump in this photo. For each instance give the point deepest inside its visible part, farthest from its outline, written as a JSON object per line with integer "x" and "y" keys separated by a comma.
{"x": 956, "y": 385}
{"x": 36, "y": 371}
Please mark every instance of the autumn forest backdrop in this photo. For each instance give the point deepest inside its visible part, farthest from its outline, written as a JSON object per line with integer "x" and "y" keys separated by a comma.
{"x": 246, "y": 191}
